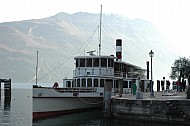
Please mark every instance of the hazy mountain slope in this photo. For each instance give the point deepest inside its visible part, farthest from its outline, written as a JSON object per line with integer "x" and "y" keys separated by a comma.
{"x": 60, "y": 37}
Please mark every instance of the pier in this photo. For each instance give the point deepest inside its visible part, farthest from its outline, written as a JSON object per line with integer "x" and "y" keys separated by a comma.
{"x": 7, "y": 92}
{"x": 161, "y": 108}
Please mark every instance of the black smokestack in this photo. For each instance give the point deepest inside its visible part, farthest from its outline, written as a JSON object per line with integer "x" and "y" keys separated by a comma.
{"x": 119, "y": 49}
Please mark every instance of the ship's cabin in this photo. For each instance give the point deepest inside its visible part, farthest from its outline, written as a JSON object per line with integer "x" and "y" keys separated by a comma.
{"x": 92, "y": 71}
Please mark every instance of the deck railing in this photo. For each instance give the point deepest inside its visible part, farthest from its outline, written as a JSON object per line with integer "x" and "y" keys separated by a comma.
{"x": 74, "y": 90}
{"x": 93, "y": 72}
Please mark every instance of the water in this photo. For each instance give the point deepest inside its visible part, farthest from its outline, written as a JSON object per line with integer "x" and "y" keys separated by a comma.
{"x": 93, "y": 118}
{"x": 19, "y": 113}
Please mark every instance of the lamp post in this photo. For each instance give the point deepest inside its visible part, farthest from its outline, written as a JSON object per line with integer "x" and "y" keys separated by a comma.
{"x": 151, "y": 54}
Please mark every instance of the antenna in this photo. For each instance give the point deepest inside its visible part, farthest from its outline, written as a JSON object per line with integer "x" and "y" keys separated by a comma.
{"x": 100, "y": 30}
{"x": 37, "y": 69}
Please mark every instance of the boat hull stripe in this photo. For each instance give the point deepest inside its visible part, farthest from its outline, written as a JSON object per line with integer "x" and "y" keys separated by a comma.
{"x": 44, "y": 115}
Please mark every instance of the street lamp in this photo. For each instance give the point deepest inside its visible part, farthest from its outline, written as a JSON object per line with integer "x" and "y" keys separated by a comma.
{"x": 151, "y": 54}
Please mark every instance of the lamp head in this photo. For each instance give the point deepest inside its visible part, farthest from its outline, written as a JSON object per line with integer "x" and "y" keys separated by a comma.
{"x": 151, "y": 53}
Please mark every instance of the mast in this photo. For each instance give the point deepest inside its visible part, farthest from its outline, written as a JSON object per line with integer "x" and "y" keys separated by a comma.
{"x": 37, "y": 69}
{"x": 100, "y": 30}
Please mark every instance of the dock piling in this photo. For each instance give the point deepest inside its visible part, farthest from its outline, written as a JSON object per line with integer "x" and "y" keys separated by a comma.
{"x": 107, "y": 97}
{"x": 7, "y": 89}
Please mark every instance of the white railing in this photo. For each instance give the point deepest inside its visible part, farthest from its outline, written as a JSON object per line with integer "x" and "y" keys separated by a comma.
{"x": 93, "y": 72}
{"x": 120, "y": 74}
{"x": 76, "y": 90}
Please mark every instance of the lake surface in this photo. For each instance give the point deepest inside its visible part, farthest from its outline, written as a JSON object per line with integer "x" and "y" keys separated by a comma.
{"x": 18, "y": 112}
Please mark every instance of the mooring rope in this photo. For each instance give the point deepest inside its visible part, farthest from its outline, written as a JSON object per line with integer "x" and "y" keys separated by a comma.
{"x": 91, "y": 102}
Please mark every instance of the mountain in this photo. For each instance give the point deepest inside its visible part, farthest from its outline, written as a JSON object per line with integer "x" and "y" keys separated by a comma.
{"x": 61, "y": 37}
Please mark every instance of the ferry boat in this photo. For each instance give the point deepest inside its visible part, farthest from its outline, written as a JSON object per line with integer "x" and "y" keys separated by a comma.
{"x": 85, "y": 90}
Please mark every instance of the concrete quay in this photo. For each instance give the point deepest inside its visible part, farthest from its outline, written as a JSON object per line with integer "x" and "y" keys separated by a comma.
{"x": 170, "y": 108}
{"x": 158, "y": 96}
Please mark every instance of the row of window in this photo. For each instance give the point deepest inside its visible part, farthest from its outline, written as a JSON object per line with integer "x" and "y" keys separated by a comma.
{"x": 86, "y": 83}
{"x": 94, "y": 83}
{"x": 94, "y": 62}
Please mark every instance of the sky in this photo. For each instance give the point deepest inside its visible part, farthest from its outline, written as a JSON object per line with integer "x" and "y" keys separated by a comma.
{"x": 171, "y": 17}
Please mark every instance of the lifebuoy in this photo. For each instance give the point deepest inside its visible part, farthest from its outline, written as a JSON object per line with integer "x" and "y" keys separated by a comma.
{"x": 40, "y": 94}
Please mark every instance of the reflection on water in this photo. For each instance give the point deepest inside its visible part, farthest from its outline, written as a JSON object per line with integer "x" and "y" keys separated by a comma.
{"x": 17, "y": 110}
{"x": 6, "y": 112}
{"x": 94, "y": 118}
{"x": 5, "y": 104}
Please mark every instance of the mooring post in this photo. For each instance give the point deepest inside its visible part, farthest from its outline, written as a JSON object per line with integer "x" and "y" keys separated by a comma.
{"x": 7, "y": 92}
{"x": 120, "y": 84}
{"x": 107, "y": 97}
{"x": 7, "y": 89}
{"x": 0, "y": 89}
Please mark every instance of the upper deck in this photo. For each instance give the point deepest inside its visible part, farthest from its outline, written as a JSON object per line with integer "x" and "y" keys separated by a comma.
{"x": 94, "y": 66}
{"x": 106, "y": 66}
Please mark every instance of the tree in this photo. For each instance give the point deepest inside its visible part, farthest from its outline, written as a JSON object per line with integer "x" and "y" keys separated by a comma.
{"x": 181, "y": 69}
{"x": 187, "y": 71}
{"x": 178, "y": 70}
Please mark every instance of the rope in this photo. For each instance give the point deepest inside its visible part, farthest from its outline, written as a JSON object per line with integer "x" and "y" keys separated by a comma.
{"x": 91, "y": 102}
{"x": 84, "y": 44}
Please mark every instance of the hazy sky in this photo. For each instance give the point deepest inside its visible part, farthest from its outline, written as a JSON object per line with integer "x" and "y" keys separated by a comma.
{"x": 171, "y": 17}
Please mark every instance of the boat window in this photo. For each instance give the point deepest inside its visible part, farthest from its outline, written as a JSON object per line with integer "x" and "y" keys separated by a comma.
{"x": 124, "y": 68}
{"x": 89, "y": 62}
{"x": 95, "y": 82}
{"x": 116, "y": 66}
{"x": 116, "y": 84}
{"x": 103, "y": 62}
{"x": 83, "y": 82}
{"x": 110, "y": 62}
{"x": 82, "y": 62}
{"x": 78, "y": 82}
{"x": 89, "y": 82}
{"x": 68, "y": 84}
{"x": 73, "y": 84}
{"x": 125, "y": 84}
{"x": 96, "y": 62}
{"x": 77, "y": 62}
{"x": 101, "y": 82}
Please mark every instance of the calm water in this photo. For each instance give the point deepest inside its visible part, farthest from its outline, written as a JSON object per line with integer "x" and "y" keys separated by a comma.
{"x": 18, "y": 112}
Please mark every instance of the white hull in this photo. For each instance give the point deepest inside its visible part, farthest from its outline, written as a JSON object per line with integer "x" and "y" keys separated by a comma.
{"x": 48, "y": 102}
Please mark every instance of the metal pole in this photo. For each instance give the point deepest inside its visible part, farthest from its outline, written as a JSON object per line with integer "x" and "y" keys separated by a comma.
{"x": 151, "y": 94}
